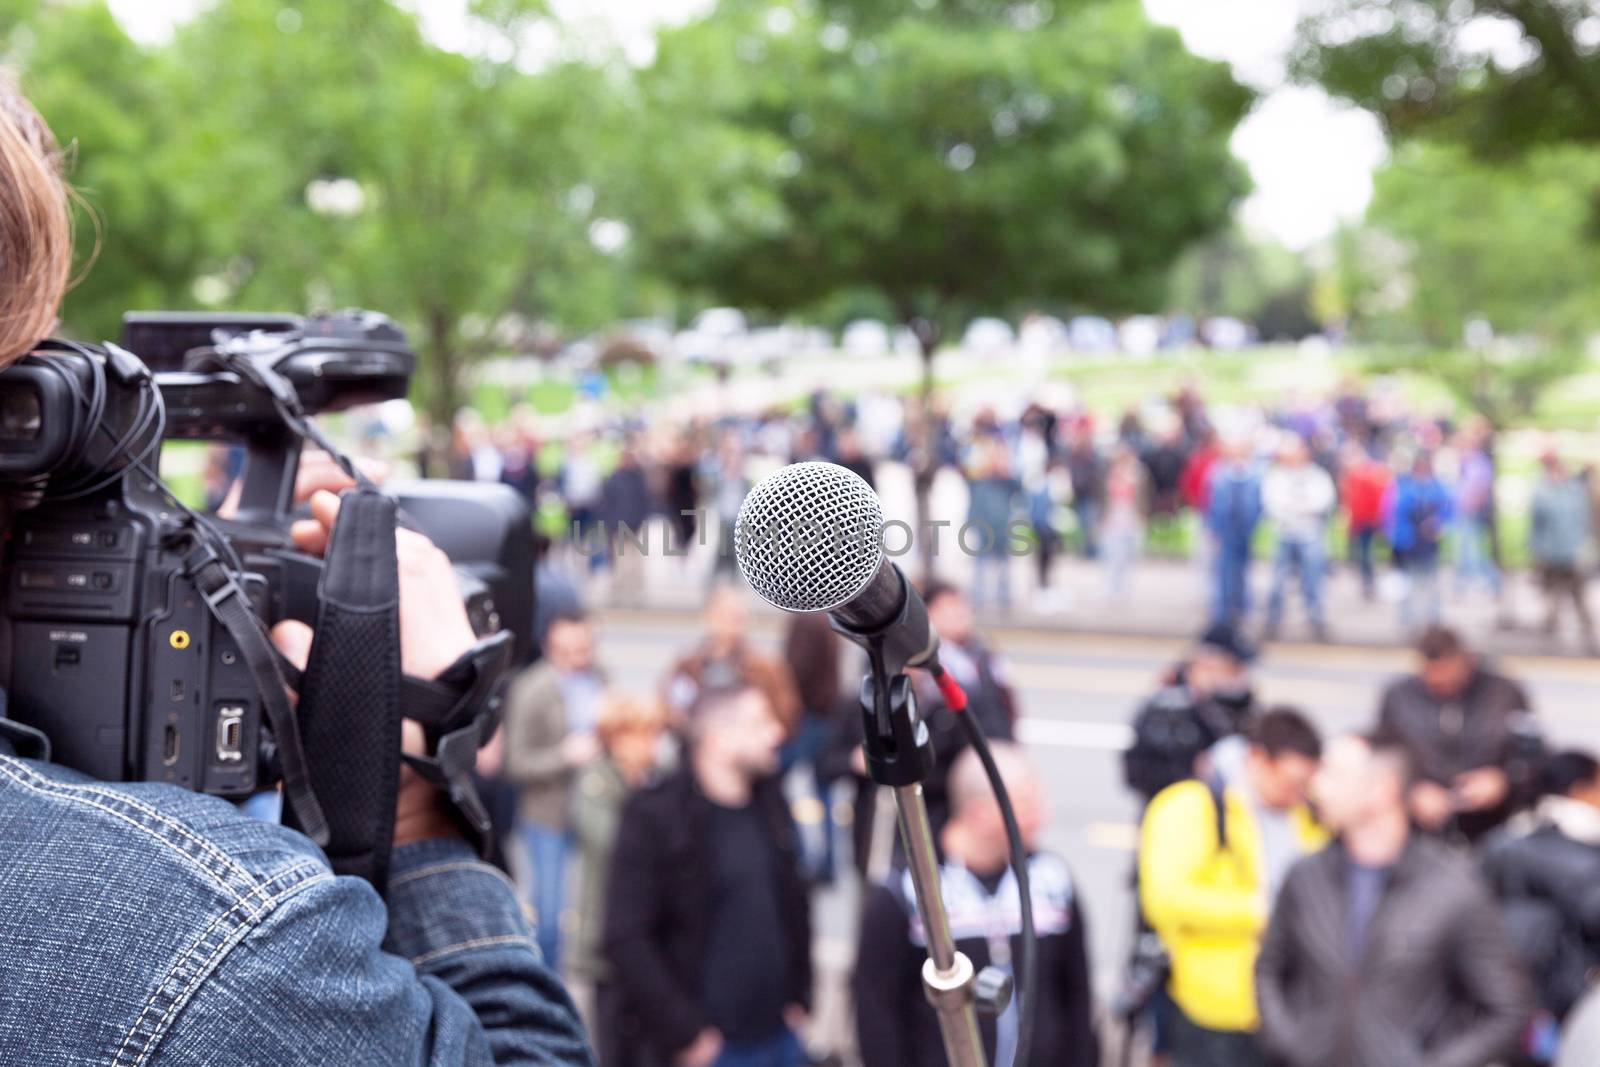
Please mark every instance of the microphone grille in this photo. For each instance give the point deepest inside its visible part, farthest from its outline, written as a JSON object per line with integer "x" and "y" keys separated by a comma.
{"x": 809, "y": 536}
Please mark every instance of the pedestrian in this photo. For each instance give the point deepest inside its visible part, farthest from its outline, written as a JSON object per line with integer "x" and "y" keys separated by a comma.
{"x": 1363, "y": 483}
{"x": 1416, "y": 513}
{"x": 895, "y": 1025}
{"x": 1298, "y": 496}
{"x": 1231, "y": 519}
{"x": 728, "y": 488}
{"x": 1473, "y": 509}
{"x": 992, "y": 499}
{"x": 1211, "y": 855}
{"x": 629, "y": 729}
{"x": 1475, "y": 745}
{"x": 1086, "y": 469}
{"x": 1205, "y": 699}
{"x": 1122, "y": 525}
{"x": 982, "y": 672}
{"x": 724, "y": 658}
{"x": 1544, "y": 870}
{"x": 1036, "y": 464}
{"x": 625, "y": 505}
{"x": 555, "y": 592}
{"x": 550, "y": 715}
{"x": 1559, "y": 541}
{"x": 683, "y": 492}
{"x": 1385, "y": 948}
{"x": 849, "y": 455}
{"x": 1195, "y": 485}
{"x": 581, "y": 484}
{"x": 812, "y": 652}
{"x": 707, "y": 923}
{"x": 1164, "y": 463}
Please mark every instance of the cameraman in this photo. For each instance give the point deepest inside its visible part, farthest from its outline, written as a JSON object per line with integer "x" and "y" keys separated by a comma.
{"x": 147, "y": 925}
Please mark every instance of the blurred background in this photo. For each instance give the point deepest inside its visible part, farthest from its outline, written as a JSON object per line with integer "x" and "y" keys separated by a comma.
{"x": 1053, "y": 263}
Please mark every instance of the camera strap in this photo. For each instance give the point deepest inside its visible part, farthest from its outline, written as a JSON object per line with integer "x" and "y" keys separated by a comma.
{"x": 232, "y": 608}
{"x": 350, "y": 691}
{"x": 459, "y": 711}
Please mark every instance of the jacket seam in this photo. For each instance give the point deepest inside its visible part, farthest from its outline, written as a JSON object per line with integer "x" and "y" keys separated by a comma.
{"x": 464, "y": 946}
{"x": 112, "y": 805}
{"x": 273, "y": 892}
{"x": 470, "y": 866}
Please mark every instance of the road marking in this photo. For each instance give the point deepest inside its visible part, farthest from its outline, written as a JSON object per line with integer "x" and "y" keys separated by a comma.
{"x": 1100, "y": 736}
{"x": 1113, "y": 836}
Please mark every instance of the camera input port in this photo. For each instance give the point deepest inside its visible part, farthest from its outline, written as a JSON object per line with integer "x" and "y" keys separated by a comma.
{"x": 230, "y": 733}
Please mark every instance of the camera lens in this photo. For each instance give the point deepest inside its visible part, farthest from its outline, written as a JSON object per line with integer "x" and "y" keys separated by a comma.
{"x": 20, "y": 416}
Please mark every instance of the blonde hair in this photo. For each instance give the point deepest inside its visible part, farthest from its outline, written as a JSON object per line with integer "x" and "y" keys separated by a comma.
{"x": 35, "y": 225}
{"x": 620, "y": 712}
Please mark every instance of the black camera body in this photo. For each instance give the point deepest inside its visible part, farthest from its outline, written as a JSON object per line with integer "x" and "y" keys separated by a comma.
{"x": 108, "y": 644}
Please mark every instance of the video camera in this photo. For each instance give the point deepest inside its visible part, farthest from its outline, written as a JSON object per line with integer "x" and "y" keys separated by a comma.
{"x": 112, "y": 642}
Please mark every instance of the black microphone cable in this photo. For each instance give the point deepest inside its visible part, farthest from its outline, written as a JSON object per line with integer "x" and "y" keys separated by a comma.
{"x": 955, "y": 699}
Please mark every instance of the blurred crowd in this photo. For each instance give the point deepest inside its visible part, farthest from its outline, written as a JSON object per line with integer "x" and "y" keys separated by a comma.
{"x": 1353, "y": 479}
{"x": 1422, "y": 892}
{"x": 1419, "y": 892}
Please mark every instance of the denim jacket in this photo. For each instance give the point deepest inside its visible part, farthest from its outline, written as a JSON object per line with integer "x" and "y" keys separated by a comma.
{"x": 143, "y": 925}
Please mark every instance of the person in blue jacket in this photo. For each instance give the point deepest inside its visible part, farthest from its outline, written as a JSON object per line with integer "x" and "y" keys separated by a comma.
{"x": 1416, "y": 512}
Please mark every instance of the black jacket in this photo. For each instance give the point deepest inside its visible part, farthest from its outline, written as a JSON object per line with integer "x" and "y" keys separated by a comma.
{"x": 895, "y": 1025}
{"x": 1546, "y": 875}
{"x": 658, "y": 918}
{"x": 1439, "y": 985}
{"x": 1489, "y": 725}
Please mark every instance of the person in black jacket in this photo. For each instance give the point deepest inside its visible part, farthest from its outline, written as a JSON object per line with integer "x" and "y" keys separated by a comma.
{"x": 707, "y": 929}
{"x": 1385, "y": 949}
{"x": 1545, "y": 870}
{"x": 1474, "y": 741}
{"x": 895, "y": 1025}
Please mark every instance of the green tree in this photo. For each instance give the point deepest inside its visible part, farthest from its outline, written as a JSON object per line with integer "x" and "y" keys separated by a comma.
{"x": 1502, "y": 76}
{"x": 137, "y": 245}
{"x": 458, "y": 168}
{"x": 316, "y": 156}
{"x": 950, "y": 158}
{"x": 1482, "y": 275}
{"x": 1244, "y": 277}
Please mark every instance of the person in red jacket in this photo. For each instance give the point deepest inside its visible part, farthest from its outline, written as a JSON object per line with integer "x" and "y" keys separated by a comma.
{"x": 1194, "y": 484}
{"x": 1363, "y": 481}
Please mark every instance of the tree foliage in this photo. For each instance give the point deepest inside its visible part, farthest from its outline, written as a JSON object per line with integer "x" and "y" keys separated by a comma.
{"x": 1486, "y": 271}
{"x": 946, "y": 156}
{"x": 203, "y": 158}
{"x": 1502, "y": 76}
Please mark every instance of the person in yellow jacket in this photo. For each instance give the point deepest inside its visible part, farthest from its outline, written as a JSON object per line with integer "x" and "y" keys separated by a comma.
{"x": 1207, "y": 880}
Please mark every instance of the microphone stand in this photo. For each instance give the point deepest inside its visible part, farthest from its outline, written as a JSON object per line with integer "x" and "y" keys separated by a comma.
{"x": 899, "y": 754}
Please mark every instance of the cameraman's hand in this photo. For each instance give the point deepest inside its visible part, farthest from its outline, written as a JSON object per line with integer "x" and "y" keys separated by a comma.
{"x": 434, "y": 629}
{"x": 434, "y": 632}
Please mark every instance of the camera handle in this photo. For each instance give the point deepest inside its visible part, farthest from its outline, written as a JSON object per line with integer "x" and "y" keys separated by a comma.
{"x": 266, "y": 484}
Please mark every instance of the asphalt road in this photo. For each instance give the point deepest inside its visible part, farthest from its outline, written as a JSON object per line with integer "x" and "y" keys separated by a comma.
{"x": 1077, "y": 694}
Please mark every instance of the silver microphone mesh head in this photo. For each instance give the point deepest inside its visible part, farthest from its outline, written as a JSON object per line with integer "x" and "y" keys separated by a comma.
{"x": 809, "y": 536}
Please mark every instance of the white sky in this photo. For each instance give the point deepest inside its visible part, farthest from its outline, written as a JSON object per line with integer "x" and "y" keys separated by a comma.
{"x": 1311, "y": 159}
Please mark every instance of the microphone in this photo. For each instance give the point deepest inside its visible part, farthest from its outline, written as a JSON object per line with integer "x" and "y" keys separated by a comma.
{"x": 809, "y": 537}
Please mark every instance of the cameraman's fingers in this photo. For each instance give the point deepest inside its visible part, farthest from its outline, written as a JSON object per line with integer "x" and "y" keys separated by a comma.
{"x": 434, "y": 628}
{"x": 319, "y": 473}
{"x": 293, "y": 639}
{"x": 311, "y": 535}
{"x": 325, "y": 507}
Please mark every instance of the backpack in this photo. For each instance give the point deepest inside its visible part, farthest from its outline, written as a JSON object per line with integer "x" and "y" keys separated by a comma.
{"x": 1168, "y": 735}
